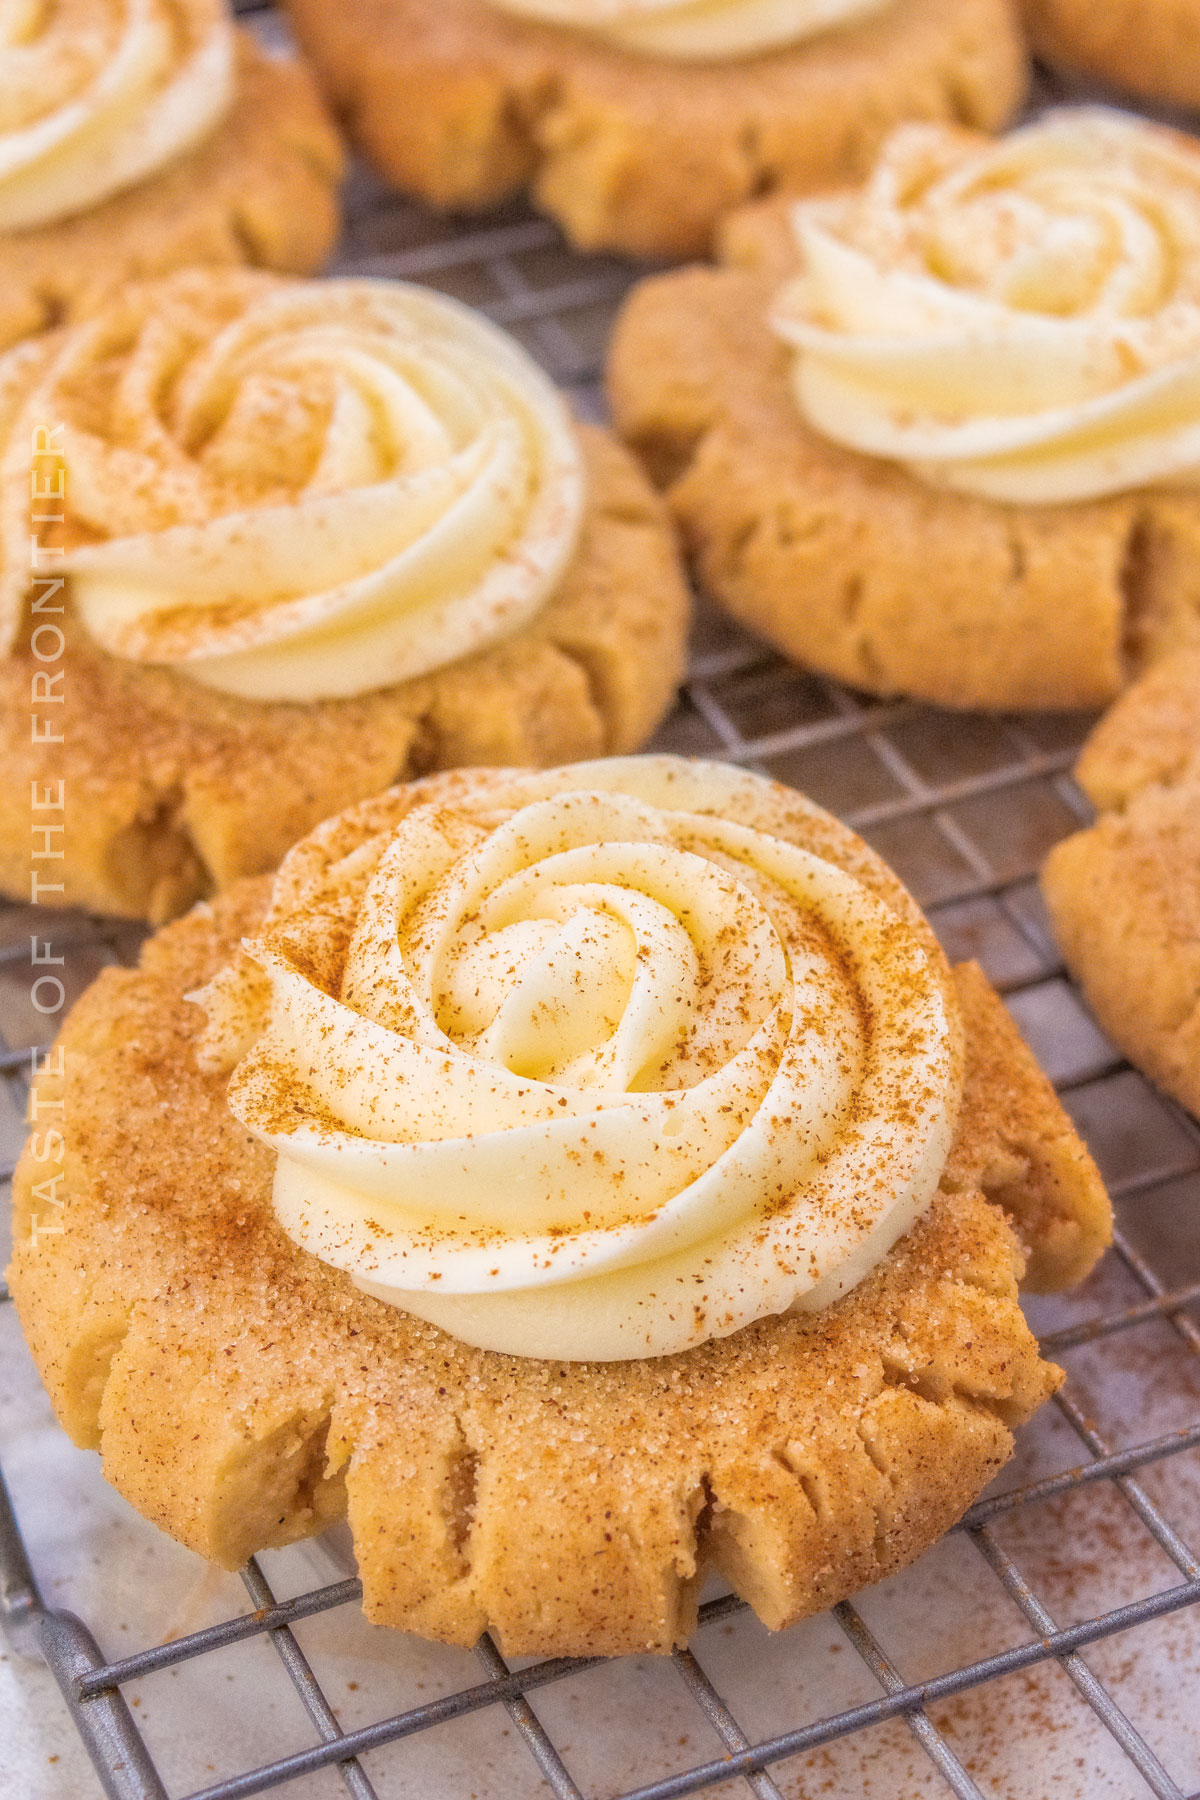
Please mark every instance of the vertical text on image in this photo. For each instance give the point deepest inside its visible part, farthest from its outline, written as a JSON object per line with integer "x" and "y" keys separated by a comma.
{"x": 48, "y": 809}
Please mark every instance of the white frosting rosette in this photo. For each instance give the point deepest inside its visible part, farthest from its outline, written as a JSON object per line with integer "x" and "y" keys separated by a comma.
{"x": 595, "y": 1063}
{"x": 300, "y": 490}
{"x": 97, "y": 95}
{"x": 697, "y": 30}
{"x": 1017, "y": 319}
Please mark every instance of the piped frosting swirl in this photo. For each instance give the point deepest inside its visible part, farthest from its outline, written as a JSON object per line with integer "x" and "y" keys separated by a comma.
{"x": 300, "y": 490}
{"x": 98, "y": 95}
{"x": 594, "y": 1063}
{"x": 1016, "y": 319}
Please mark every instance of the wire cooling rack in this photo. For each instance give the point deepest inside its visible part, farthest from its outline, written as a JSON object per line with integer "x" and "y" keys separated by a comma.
{"x": 964, "y": 808}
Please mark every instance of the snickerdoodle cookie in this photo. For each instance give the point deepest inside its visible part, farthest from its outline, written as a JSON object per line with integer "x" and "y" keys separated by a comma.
{"x": 294, "y": 541}
{"x": 138, "y": 140}
{"x": 638, "y": 124}
{"x": 614, "y": 1182}
{"x": 1149, "y": 47}
{"x": 956, "y": 455}
{"x": 1125, "y": 895}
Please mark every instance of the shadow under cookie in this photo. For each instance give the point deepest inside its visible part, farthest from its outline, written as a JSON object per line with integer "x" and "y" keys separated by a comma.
{"x": 853, "y": 566}
{"x": 462, "y": 104}
{"x": 173, "y": 790}
{"x": 261, "y": 190}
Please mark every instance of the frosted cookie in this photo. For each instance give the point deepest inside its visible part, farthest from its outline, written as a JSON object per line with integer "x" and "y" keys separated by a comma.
{"x": 1149, "y": 47}
{"x": 1124, "y": 896}
{"x": 583, "y": 1180}
{"x": 293, "y": 541}
{"x": 135, "y": 140}
{"x": 958, "y": 454}
{"x": 638, "y": 123}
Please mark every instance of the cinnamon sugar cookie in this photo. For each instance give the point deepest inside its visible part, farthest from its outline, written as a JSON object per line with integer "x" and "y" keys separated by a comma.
{"x": 1149, "y": 47}
{"x": 806, "y": 1182}
{"x": 637, "y": 127}
{"x": 161, "y": 138}
{"x": 316, "y": 538}
{"x": 1124, "y": 895}
{"x": 923, "y": 460}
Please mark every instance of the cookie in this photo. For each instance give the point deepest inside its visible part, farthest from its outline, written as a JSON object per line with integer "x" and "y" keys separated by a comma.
{"x": 463, "y": 104}
{"x": 259, "y": 188}
{"x": 1148, "y": 47}
{"x": 244, "y": 1390}
{"x": 189, "y": 698}
{"x": 912, "y": 567}
{"x": 1124, "y": 895}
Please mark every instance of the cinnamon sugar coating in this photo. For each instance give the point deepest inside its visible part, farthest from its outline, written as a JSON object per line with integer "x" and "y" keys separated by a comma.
{"x": 244, "y": 1394}
{"x": 175, "y": 790}
{"x": 463, "y": 104}
{"x": 850, "y": 564}
{"x": 1017, "y": 1145}
{"x": 261, "y": 190}
{"x": 1124, "y": 895}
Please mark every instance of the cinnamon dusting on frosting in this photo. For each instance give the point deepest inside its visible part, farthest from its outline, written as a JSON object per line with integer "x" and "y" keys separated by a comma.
{"x": 295, "y": 490}
{"x": 583, "y": 1041}
{"x": 1018, "y": 319}
{"x": 99, "y": 95}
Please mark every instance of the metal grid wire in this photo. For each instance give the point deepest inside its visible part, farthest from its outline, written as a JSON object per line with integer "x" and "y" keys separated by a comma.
{"x": 964, "y": 808}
